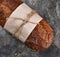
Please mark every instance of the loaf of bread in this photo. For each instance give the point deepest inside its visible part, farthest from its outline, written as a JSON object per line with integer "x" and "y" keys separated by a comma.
{"x": 41, "y": 37}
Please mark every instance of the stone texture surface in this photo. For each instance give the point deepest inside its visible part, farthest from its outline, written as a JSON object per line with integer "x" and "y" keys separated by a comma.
{"x": 50, "y": 11}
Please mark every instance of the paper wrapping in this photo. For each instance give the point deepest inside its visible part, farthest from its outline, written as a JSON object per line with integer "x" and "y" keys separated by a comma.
{"x": 22, "y": 22}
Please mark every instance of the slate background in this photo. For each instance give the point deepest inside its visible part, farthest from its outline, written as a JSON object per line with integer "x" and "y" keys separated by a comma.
{"x": 50, "y": 11}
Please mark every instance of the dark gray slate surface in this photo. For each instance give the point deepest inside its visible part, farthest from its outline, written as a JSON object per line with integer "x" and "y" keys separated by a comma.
{"x": 50, "y": 11}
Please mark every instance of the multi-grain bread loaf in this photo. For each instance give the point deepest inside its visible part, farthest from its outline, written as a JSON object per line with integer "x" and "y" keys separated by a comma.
{"x": 42, "y": 35}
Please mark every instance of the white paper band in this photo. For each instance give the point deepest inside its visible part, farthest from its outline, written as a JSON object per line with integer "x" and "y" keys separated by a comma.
{"x": 20, "y": 16}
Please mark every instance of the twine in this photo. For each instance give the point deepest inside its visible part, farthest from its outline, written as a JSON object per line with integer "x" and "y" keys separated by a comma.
{"x": 24, "y": 22}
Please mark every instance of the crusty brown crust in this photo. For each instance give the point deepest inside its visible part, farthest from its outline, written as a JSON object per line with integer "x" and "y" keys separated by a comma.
{"x": 6, "y": 8}
{"x": 40, "y": 38}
